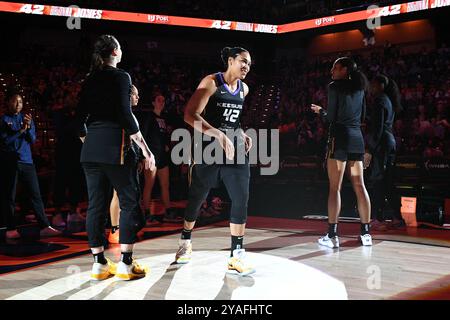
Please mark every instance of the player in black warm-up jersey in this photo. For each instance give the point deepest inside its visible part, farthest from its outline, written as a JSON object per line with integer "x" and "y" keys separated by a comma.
{"x": 215, "y": 109}
{"x": 346, "y": 108}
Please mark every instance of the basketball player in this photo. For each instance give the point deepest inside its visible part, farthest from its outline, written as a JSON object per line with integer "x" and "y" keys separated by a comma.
{"x": 217, "y": 106}
{"x": 346, "y": 108}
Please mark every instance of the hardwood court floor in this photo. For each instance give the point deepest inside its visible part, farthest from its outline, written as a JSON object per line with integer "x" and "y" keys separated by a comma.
{"x": 408, "y": 264}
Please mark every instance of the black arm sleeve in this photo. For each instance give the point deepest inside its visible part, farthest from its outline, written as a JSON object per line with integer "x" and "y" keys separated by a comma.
{"x": 126, "y": 118}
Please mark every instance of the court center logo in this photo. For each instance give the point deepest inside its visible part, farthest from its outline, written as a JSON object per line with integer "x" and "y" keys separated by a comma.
{"x": 206, "y": 273}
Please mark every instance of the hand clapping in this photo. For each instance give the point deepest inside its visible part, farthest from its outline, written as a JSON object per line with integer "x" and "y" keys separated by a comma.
{"x": 27, "y": 121}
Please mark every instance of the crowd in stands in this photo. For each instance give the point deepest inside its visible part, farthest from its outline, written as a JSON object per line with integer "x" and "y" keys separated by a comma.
{"x": 422, "y": 129}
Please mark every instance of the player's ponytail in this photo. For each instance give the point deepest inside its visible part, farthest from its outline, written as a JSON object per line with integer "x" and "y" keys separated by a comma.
{"x": 358, "y": 80}
{"x": 103, "y": 48}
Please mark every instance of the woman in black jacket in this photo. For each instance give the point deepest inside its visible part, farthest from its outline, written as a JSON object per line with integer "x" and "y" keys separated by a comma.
{"x": 346, "y": 108}
{"x": 107, "y": 124}
{"x": 381, "y": 149}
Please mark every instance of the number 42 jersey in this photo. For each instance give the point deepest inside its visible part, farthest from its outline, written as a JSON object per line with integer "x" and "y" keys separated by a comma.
{"x": 224, "y": 107}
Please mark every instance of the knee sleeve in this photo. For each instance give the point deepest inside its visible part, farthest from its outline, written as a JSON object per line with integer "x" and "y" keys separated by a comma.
{"x": 239, "y": 202}
{"x": 197, "y": 195}
{"x": 238, "y": 214}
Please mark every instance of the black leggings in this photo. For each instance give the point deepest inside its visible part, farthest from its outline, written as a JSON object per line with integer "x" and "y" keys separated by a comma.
{"x": 123, "y": 178}
{"x": 236, "y": 179}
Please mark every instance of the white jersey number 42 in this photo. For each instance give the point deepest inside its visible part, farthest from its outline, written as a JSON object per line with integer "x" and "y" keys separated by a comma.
{"x": 231, "y": 114}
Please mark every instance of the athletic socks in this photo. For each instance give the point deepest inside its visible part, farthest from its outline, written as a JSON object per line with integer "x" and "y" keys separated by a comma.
{"x": 236, "y": 243}
{"x": 365, "y": 228}
{"x": 100, "y": 258}
{"x": 114, "y": 229}
{"x": 186, "y": 234}
{"x": 332, "y": 230}
{"x": 127, "y": 257}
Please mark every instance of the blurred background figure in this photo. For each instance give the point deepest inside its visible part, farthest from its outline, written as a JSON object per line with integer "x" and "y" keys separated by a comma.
{"x": 17, "y": 134}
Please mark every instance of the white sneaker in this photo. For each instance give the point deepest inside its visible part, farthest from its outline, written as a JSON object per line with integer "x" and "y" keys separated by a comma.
{"x": 366, "y": 239}
{"x": 184, "y": 252}
{"x": 329, "y": 242}
{"x": 237, "y": 264}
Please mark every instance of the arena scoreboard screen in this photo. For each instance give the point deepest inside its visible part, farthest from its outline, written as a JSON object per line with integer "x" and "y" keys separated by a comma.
{"x": 369, "y": 13}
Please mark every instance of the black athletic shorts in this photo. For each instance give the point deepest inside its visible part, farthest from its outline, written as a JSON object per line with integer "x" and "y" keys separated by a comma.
{"x": 343, "y": 155}
{"x": 334, "y": 152}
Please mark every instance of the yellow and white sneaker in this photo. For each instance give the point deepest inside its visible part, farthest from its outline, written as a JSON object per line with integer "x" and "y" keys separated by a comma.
{"x": 237, "y": 264}
{"x": 132, "y": 271}
{"x": 103, "y": 271}
{"x": 184, "y": 252}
